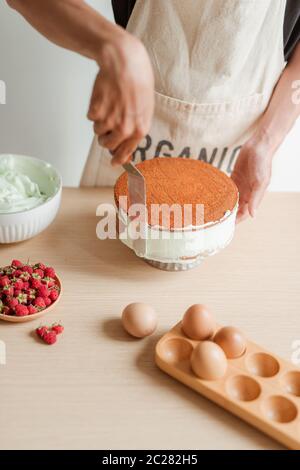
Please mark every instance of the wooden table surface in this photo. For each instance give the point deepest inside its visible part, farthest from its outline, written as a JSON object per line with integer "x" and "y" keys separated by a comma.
{"x": 98, "y": 388}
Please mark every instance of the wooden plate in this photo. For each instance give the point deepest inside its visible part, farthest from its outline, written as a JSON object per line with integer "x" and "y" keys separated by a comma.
{"x": 34, "y": 316}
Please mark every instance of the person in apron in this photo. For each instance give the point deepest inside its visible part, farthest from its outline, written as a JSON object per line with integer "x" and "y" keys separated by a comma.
{"x": 213, "y": 80}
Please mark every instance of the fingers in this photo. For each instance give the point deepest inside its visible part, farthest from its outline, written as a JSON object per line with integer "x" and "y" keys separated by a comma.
{"x": 124, "y": 152}
{"x": 98, "y": 103}
{"x": 121, "y": 140}
{"x": 243, "y": 212}
{"x": 119, "y": 134}
{"x": 256, "y": 197}
{"x": 121, "y": 161}
{"x": 121, "y": 111}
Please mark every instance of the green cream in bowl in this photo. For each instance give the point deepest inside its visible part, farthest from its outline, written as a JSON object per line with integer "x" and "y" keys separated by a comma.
{"x": 30, "y": 193}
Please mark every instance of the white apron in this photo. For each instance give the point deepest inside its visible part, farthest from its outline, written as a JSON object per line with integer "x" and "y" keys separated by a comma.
{"x": 216, "y": 63}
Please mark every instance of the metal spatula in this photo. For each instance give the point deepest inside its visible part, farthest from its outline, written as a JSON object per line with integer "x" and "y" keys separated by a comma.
{"x": 137, "y": 195}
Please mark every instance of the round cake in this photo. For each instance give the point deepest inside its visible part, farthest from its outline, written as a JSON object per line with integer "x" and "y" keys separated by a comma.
{"x": 182, "y": 181}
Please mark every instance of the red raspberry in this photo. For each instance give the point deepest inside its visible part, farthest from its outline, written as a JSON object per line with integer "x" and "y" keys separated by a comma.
{"x": 41, "y": 331}
{"x": 16, "y": 263}
{"x": 25, "y": 276}
{"x": 21, "y": 310}
{"x": 12, "y": 302}
{"x": 19, "y": 284}
{"x": 30, "y": 294}
{"x": 35, "y": 283}
{"x": 25, "y": 285}
{"x": 47, "y": 301}
{"x": 39, "y": 272}
{"x": 43, "y": 291}
{"x": 48, "y": 281}
{"x": 57, "y": 328}
{"x": 39, "y": 302}
{"x": 18, "y": 272}
{"x": 31, "y": 309}
{"x": 17, "y": 292}
{"x": 49, "y": 272}
{"x": 4, "y": 281}
{"x": 27, "y": 269}
{"x": 8, "y": 290}
{"x": 22, "y": 298}
{"x": 50, "y": 337}
{"x": 54, "y": 294}
{"x": 40, "y": 266}
{"x": 5, "y": 310}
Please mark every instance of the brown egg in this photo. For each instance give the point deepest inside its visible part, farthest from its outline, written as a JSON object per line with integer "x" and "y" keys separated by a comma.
{"x": 139, "y": 320}
{"x": 198, "y": 323}
{"x": 209, "y": 361}
{"x": 232, "y": 341}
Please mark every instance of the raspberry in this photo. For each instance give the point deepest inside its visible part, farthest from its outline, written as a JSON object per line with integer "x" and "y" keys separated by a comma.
{"x": 50, "y": 337}
{"x": 18, "y": 273}
{"x": 43, "y": 291}
{"x": 38, "y": 272}
{"x": 40, "y": 266}
{"x": 25, "y": 285}
{"x": 49, "y": 272}
{"x": 4, "y": 281}
{"x": 57, "y": 328}
{"x": 8, "y": 290}
{"x": 27, "y": 269}
{"x": 5, "y": 310}
{"x": 17, "y": 292}
{"x": 31, "y": 309}
{"x": 16, "y": 263}
{"x": 12, "y": 302}
{"x": 35, "y": 283}
{"x": 21, "y": 310}
{"x": 25, "y": 276}
{"x": 48, "y": 281}
{"x": 22, "y": 298}
{"x": 53, "y": 295}
{"x": 47, "y": 301}
{"x": 30, "y": 294}
{"x": 19, "y": 284}
{"x": 41, "y": 331}
{"x": 39, "y": 302}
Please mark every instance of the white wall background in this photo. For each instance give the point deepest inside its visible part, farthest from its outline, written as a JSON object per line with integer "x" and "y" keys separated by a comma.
{"x": 48, "y": 91}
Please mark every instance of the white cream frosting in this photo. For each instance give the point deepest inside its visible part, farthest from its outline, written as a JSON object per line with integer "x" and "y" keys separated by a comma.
{"x": 193, "y": 242}
{"x": 17, "y": 191}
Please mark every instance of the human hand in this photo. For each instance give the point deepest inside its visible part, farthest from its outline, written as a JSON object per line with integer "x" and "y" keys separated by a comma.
{"x": 122, "y": 101}
{"x": 252, "y": 174}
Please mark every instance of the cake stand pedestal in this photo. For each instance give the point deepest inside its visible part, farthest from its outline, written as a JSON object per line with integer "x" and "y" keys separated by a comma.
{"x": 174, "y": 266}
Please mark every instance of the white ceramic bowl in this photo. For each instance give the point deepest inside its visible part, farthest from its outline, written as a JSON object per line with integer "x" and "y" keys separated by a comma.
{"x": 22, "y": 225}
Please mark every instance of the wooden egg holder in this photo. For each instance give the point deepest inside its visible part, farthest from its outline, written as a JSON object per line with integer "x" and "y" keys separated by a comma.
{"x": 259, "y": 387}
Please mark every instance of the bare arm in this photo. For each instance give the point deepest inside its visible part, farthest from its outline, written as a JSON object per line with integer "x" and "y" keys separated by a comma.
{"x": 252, "y": 172}
{"x": 283, "y": 109}
{"x": 123, "y": 98}
{"x": 70, "y": 23}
